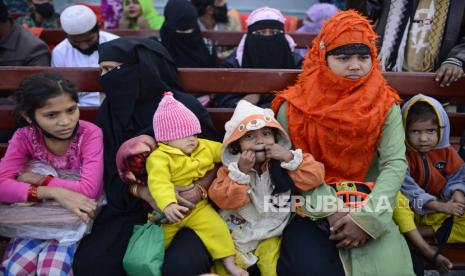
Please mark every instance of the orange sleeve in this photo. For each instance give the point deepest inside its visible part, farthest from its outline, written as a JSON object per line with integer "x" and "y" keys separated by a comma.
{"x": 226, "y": 193}
{"x": 310, "y": 174}
{"x": 454, "y": 161}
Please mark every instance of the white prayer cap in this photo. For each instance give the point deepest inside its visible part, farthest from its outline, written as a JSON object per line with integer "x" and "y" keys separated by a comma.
{"x": 77, "y": 19}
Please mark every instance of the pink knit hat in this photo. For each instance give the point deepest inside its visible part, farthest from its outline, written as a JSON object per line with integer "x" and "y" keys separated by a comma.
{"x": 173, "y": 120}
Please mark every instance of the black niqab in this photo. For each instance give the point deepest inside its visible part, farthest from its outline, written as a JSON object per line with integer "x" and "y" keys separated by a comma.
{"x": 187, "y": 49}
{"x": 133, "y": 92}
{"x": 267, "y": 51}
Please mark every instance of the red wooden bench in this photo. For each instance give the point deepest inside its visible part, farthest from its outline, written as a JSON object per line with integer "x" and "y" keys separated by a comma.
{"x": 220, "y": 38}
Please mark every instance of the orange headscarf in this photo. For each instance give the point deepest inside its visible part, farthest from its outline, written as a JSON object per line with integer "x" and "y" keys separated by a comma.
{"x": 336, "y": 119}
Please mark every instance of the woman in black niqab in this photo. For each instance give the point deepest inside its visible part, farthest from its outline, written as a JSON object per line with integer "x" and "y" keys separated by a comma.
{"x": 133, "y": 92}
{"x": 188, "y": 49}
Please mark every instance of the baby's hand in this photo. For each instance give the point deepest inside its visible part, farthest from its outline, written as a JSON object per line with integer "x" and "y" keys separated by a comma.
{"x": 174, "y": 212}
{"x": 458, "y": 197}
{"x": 452, "y": 208}
{"x": 278, "y": 152}
{"x": 246, "y": 161}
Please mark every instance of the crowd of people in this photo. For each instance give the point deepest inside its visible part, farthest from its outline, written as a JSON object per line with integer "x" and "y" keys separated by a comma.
{"x": 265, "y": 198}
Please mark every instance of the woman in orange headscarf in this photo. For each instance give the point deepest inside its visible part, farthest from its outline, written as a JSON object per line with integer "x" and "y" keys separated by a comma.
{"x": 342, "y": 111}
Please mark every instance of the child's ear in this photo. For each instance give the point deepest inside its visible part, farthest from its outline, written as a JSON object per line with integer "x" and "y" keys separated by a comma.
{"x": 25, "y": 117}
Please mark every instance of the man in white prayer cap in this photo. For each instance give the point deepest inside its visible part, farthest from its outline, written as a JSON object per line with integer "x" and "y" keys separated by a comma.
{"x": 79, "y": 49}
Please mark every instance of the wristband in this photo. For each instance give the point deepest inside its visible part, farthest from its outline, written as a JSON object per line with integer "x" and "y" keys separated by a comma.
{"x": 202, "y": 190}
{"x": 47, "y": 180}
{"x": 32, "y": 194}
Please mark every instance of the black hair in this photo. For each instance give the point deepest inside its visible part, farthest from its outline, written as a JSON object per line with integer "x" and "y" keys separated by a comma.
{"x": 350, "y": 49}
{"x": 235, "y": 148}
{"x": 201, "y": 5}
{"x": 34, "y": 91}
{"x": 419, "y": 112}
{"x": 3, "y": 12}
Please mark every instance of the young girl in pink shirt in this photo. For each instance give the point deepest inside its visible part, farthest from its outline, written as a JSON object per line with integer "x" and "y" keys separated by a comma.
{"x": 50, "y": 133}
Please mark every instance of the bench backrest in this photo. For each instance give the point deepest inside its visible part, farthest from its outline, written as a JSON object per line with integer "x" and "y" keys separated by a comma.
{"x": 238, "y": 81}
{"x": 220, "y": 38}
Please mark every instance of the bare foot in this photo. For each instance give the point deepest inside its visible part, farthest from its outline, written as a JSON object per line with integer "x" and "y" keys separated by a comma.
{"x": 237, "y": 271}
{"x": 232, "y": 268}
{"x": 443, "y": 264}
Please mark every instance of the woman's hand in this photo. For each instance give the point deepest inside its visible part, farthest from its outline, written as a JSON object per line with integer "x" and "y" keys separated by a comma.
{"x": 31, "y": 178}
{"x": 347, "y": 233}
{"x": 77, "y": 203}
{"x": 198, "y": 191}
{"x": 137, "y": 145}
{"x": 143, "y": 193}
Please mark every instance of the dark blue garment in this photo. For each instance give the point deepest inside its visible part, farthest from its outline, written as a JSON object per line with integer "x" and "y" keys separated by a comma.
{"x": 307, "y": 250}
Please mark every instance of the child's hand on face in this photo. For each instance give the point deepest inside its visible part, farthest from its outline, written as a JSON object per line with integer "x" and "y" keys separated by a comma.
{"x": 278, "y": 152}
{"x": 246, "y": 161}
{"x": 142, "y": 22}
{"x": 458, "y": 197}
{"x": 124, "y": 23}
{"x": 174, "y": 212}
{"x": 452, "y": 208}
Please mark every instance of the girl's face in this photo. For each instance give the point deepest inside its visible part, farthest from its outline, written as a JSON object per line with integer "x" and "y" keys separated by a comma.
{"x": 352, "y": 67}
{"x": 255, "y": 140}
{"x": 107, "y": 66}
{"x": 132, "y": 8}
{"x": 59, "y": 116}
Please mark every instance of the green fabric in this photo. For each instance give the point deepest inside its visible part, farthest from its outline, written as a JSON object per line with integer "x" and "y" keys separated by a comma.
{"x": 387, "y": 252}
{"x": 145, "y": 252}
{"x": 388, "y": 172}
{"x": 50, "y": 23}
{"x": 149, "y": 13}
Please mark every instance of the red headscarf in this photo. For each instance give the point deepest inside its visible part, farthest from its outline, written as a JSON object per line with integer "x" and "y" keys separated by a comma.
{"x": 336, "y": 119}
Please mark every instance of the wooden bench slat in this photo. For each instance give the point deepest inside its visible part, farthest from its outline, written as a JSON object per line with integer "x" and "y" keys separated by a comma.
{"x": 214, "y": 80}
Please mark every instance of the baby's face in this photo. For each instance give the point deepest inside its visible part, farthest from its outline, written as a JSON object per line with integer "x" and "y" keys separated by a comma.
{"x": 255, "y": 140}
{"x": 187, "y": 145}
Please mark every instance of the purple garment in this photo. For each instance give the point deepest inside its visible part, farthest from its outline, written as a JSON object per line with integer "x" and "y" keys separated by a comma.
{"x": 317, "y": 13}
{"x": 112, "y": 11}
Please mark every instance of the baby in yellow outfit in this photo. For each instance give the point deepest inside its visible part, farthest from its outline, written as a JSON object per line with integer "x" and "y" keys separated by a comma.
{"x": 180, "y": 159}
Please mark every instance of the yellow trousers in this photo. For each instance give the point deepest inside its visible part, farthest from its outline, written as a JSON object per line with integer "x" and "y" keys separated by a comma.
{"x": 267, "y": 253}
{"x": 210, "y": 228}
{"x": 407, "y": 220}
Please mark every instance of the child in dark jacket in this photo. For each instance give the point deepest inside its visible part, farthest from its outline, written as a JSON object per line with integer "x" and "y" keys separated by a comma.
{"x": 434, "y": 186}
